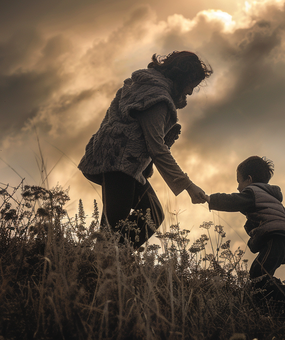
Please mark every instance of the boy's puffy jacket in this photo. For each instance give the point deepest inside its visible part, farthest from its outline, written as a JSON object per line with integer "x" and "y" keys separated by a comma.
{"x": 268, "y": 218}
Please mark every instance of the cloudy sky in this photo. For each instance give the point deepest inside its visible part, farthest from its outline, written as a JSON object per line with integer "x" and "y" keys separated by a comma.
{"x": 61, "y": 63}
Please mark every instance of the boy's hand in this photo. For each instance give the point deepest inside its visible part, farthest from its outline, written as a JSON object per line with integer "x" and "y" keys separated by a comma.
{"x": 197, "y": 194}
{"x": 207, "y": 198}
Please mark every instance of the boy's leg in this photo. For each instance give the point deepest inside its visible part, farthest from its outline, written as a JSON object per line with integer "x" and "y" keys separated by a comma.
{"x": 268, "y": 260}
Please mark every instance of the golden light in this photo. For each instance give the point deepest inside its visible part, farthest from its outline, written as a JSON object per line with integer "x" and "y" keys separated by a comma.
{"x": 217, "y": 15}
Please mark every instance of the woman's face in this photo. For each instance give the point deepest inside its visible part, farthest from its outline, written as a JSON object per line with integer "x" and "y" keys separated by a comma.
{"x": 188, "y": 90}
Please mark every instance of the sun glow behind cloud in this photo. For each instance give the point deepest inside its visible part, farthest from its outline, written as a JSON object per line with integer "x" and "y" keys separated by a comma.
{"x": 217, "y": 15}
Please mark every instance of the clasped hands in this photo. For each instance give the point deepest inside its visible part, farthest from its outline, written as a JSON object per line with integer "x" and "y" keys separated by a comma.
{"x": 197, "y": 194}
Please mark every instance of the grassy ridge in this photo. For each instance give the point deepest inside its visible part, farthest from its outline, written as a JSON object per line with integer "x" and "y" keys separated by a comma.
{"x": 63, "y": 279}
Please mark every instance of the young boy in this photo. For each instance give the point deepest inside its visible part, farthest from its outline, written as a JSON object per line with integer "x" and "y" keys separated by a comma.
{"x": 261, "y": 203}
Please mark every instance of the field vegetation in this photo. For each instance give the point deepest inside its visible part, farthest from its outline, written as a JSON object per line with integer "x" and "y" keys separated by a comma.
{"x": 64, "y": 278}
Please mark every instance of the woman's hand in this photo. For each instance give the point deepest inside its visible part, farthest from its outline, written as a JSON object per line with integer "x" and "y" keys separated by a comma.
{"x": 197, "y": 194}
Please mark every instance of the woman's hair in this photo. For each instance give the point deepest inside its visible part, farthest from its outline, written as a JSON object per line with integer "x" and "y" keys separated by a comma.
{"x": 259, "y": 168}
{"x": 181, "y": 67}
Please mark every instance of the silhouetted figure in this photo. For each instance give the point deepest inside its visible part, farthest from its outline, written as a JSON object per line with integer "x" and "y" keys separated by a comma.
{"x": 138, "y": 130}
{"x": 261, "y": 203}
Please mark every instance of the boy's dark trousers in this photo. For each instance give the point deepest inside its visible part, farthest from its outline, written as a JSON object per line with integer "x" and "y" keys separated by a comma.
{"x": 121, "y": 193}
{"x": 271, "y": 257}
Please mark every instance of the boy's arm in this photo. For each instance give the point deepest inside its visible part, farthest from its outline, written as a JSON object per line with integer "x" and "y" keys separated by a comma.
{"x": 242, "y": 202}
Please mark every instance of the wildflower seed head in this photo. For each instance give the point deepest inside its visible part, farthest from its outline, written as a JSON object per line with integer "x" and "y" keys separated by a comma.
{"x": 206, "y": 225}
{"x": 226, "y": 245}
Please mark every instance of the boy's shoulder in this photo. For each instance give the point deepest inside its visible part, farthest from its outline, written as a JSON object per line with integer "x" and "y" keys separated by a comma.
{"x": 272, "y": 190}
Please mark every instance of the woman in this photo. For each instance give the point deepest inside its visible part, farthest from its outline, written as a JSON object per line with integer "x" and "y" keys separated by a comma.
{"x": 138, "y": 130}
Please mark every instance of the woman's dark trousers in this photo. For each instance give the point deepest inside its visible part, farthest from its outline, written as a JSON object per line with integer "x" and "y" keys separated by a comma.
{"x": 125, "y": 204}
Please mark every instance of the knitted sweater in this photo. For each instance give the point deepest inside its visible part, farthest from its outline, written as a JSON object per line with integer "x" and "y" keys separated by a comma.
{"x": 261, "y": 203}
{"x": 125, "y": 142}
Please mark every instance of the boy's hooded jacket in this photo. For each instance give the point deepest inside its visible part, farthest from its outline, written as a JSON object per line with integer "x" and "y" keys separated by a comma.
{"x": 120, "y": 143}
{"x": 261, "y": 203}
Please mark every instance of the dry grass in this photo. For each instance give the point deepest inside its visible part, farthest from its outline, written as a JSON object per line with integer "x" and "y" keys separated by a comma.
{"x": 62, "y": 279}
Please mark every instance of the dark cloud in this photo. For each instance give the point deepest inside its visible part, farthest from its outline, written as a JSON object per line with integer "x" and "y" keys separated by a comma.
{"x": 134, "y": 28}
{"x": 56, "y": 47}
{"x": 21, "y": 96}
{"x": 77, "y": 18}
{"x": 90, "y": 15}
{"x": 61, "y": 14}
{"x": 30, "y": 74}
{"x": 67, "y": 115}
{"x": 35, "y": 72}
{"x": 249, "y": 85}
{"x": 16, "y": 51}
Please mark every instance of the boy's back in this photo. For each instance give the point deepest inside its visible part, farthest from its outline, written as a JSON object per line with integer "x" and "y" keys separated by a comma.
{"x": 261, "y": 203}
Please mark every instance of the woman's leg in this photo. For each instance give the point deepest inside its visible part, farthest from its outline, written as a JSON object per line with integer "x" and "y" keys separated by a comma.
{"x": 118, "y": 190}
{"x": 144, "y": 199}
{"x": 121, "y": 193}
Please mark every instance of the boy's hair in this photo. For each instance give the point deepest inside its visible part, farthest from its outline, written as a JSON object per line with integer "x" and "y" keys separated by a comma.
{"x": 181, "y": 67}
{"x": 259, "y": 168}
